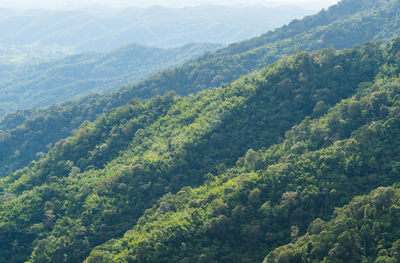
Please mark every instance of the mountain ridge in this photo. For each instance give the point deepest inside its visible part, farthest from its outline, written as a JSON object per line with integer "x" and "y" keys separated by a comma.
{"x": 81, "y": 74}
{"x": 321, "y": 164}
{"x": 199, "y": 134}
{"x": 211, "y": 70}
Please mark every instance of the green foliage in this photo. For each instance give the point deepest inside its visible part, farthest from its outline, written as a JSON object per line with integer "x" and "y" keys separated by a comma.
{"x": 272, "y": 195}
{"x": 343, "y": 25}
{"x": 366, "y": 230}
{"x": 95, "y": 185}
{"x": 82, "y": 74}
{"x": 226, "y": 175}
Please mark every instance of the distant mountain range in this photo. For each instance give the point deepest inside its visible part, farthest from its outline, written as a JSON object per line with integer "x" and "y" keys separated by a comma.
{"x": 53, "y": 82}
{"x": 104, "y": 29}
{"x": 224, "y": 175}
{"x": 348, "y": 23}
{"x": 298, "y": 161}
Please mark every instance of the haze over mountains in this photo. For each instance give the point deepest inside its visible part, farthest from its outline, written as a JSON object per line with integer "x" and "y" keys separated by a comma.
{"x": 48, "y": 83}
{"x": 343, "y": 25}
{"x": 77, "y": 4}
{"x": 37, "y": 68}
{"x": 279, "y": 148}
{"x": 100, "y": 28}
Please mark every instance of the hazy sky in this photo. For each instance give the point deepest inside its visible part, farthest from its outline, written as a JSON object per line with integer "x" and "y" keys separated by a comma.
{"x": 58, "y": 4}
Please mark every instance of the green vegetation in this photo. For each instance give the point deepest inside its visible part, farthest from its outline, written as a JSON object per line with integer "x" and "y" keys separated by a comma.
{"x": 26, "y": 133}
{"x": 270, "y": 196}
{"x": 366, "y": 230}
{"x": 82, "y": 74}
{"x": 94, "y": 186}
{"x": 249, "y": 171}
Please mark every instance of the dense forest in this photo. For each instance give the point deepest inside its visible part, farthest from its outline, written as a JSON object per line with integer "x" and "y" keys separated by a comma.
{"x": 240, "y": 169}
{"x": 246, "y": 154}
{"x": 343, "y": 25}
{"x": 271, "y": 195}
{"x": 366, "y": 230}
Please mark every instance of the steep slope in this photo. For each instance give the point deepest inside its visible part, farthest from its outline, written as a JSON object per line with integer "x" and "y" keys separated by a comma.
{"x": 366, "y": 230}
{"x": 350, "y": 22}
{"x": 95, "y": 185}
{"x": 270, "y": 196}
{"x": 323, "y": 28}
{"x": 343, "y": 25}
{"x": 78, "y": 75}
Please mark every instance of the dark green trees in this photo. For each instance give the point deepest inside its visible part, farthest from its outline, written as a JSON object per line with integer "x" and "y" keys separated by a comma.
{"x": 363, "y": 231}
{"x": 343, "y": 25}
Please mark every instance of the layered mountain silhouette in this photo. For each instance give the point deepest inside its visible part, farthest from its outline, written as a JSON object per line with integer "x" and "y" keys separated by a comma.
{"x": 202, "y": 164}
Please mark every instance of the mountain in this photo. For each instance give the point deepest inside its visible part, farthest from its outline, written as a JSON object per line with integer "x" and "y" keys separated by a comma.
{"x": 54, "y": 82}
{"x": 252, "y": 170}
{"x": 101, "y": 29}
{"x": 343, "y": 25}
{"x": 269, "y": 197}
{"x": 96, "y": 185}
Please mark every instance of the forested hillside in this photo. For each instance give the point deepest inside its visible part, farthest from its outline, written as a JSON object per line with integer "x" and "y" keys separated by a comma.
{"x": 271, "y": 195}
{"x": 343, "y": 25}
{"x": 54, "y": 82}
{"x": 96, "y": 185}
